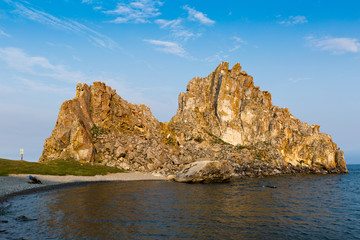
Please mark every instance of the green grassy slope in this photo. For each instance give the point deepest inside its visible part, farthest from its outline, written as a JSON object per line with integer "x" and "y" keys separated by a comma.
{"x": 56, "y": 167}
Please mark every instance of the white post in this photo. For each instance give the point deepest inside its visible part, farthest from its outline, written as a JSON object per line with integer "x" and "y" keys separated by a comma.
{"x": 22, "y": 153}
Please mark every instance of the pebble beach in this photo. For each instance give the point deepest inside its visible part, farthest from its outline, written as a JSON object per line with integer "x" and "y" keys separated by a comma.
{"x": 17, "y": 184}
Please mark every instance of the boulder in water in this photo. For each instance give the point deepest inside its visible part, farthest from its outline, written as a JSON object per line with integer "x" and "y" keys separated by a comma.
{"x": 205, "y": 172}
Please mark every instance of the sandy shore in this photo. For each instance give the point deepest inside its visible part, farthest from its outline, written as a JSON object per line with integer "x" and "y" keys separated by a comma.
{"x": 16, "y": 184}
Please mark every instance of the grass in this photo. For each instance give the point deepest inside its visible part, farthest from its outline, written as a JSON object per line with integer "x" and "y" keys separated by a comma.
{"x": 216, "y": 139}
{"x": 55, "y": 167}
{"x": 96, "y": 131}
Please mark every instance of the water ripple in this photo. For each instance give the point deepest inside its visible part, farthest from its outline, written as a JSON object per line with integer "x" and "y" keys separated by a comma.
{"x": 300, "y": 207}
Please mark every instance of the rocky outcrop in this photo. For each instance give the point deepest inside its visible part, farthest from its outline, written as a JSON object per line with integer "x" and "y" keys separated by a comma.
{"x": 99, "y": 126}
{"x": 205, "y": 171}
{"x": 227, "y": 106}
{"x": 222, "y": 117}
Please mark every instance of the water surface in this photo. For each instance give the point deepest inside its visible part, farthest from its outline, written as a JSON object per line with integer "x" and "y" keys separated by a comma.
{"x": 300, "y": 207}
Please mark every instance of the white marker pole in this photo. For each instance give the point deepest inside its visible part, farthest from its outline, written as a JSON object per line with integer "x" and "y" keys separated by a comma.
{"x": 22, "y": 153}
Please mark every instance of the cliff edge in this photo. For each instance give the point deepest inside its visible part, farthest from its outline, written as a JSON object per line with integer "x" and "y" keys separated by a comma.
{"x": 222, "y": 117}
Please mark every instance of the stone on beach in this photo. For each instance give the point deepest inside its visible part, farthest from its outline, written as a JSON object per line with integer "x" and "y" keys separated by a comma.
{"x": 18, "y": 182}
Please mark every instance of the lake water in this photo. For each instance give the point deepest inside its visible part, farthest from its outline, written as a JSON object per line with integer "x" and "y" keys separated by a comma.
{"x": 300, "y": 207}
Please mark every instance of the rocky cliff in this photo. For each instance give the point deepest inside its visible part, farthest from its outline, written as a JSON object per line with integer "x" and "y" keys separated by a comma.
{"x": 222, "y": 117}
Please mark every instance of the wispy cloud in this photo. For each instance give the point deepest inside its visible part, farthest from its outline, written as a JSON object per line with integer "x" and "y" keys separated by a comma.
{"x": 293, "y": 20}
{"x": 136, "y": 11}
{"x": 38, "y": 87}
{"x": 2, "y": 33}
{"x": 197, "y": 16}
{"x": 168, "y": 47}
{"x": 176, "y": 28}
{"x": 217, "y": 57}
{"x": 64, "y": 24}
{"x": 95, "y": 37}
{"x": 168, "y": 23}
{"x": 334, "y": 45}
{"x": 17, "y": 59}
{"x": 238, "y": 42}
{"x": 296, "y": 80}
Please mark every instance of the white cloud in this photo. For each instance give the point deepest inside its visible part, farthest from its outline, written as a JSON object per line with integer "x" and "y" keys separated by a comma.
{"x": 136, "y": 11}
{"x": 65, "y": 24}
{"x": 120, "y": 20}
{"x": 176, "y": 28}
{"x": 168, "y": 47}
{"x": 197, "y": 16}
{"x": 17, "y": 59}
{"x": 293, "y": 20}
{"x": 335, "y": 45}
{"x": 238, "y": 43}
{"x": 2, "y": 33}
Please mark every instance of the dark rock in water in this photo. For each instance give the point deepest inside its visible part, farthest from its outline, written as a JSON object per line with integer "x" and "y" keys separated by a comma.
{"x": 269, "y": 186}
{"x": 222, "y": 116}
{"x": 24, "y": 219}
{"x": 205, "y": 172}
{"x": 4, "y": 221}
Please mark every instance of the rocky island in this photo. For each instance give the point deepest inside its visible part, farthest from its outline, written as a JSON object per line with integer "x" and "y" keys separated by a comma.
{"x": 224, "y": 127}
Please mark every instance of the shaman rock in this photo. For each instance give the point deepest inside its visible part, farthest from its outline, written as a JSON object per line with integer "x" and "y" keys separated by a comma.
{"x": 99, "y": 126}
{"x": 222, "y": 117}
{"x": 228, "y": 106}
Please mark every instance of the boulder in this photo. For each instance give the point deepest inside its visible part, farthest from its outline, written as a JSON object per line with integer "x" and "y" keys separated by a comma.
{"x": 205, "y": 172}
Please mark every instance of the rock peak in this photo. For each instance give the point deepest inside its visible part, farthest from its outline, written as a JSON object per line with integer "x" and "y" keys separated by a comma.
{"x": 222, "y": 116}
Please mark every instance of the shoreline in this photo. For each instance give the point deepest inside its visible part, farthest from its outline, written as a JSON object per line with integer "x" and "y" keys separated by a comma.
{"x": 16, "y": 184}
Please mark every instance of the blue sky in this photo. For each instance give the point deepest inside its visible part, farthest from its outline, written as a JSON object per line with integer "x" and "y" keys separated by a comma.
{"x": 306, "y": 53}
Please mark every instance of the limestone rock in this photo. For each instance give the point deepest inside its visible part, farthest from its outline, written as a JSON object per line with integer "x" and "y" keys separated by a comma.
{"x": 221, "y": 117}
{"x": 226, "y": 105}
{"x": 98, "y": 126}
{"x": 205, "y": 171}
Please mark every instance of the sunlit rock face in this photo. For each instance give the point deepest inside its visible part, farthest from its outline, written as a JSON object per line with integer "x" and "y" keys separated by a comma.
{"x": 222, "y": 117}
{"x": 226, "y": 104}
{"x": 99, "y": 126}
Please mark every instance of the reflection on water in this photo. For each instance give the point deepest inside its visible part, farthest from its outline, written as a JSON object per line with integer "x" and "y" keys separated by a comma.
{"x": 301, "y": 207}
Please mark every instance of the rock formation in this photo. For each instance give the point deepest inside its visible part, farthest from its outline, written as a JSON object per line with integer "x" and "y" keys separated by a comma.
{"x": 222, "y": 117}
{"x": 99, "y": 126}
{"x": 205, "y": 172}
